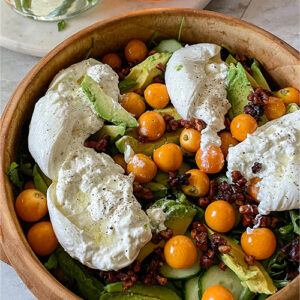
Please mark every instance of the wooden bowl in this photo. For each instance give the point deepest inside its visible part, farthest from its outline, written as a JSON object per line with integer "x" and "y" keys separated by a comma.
{"x": 279, "y": 59}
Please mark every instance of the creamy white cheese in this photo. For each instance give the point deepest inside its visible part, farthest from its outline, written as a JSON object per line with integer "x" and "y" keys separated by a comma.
{"x": 196, "y": 82}
{"x": 65, "y": 117}
{"x": 94, "y": 214}
{"x": 157, "y": 219}
{"x": 276, "y": 146}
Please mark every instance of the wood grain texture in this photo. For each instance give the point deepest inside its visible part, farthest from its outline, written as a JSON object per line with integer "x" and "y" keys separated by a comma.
{"x": 279, "y": 59}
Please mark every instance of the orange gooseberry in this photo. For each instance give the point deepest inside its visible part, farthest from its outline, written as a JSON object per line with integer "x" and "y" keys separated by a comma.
{"x": 274, "y": 108}
{"x": 259, "y": 242}
{"x": 211, "y": 160}
{"x": 133, "y": 103}
{"x": 29, "y": 185}
{"x": 31, "y": 205}
{"x": 42, "y": 239}
{"x": 135, "y": 51}
{"x": 180, "y": 252}
{"x": 227, "y": 140}
{"x": 168, "y": 157}
{"x": 198, "y": 184}
{"x": 113, "y": 60}
{"x": 217, "y": 292}
{"x": 190, "y": 139}
{"x": 143, "y": 168}
{"x": 151, "y": 125}
{"x": 289, "y": 95}
{"x": 119, "y": 159}
{"x": 242, "y": 125}
{"x": 220, "y": 216}
{"x": 253, "y": 189}
{"x": 156, "y": 95}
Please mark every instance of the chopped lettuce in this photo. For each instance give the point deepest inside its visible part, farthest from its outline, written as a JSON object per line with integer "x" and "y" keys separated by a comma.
{"x": 41, "y": 181}
{"x": 295, "y": 217}
{"x": 15, "y": 176}
{"x": 90, "y": 288}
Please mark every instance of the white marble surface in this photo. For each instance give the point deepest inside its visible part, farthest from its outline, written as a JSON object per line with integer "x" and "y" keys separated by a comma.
{"x": 22, "y": 34}
{"x": 281, "y": 17}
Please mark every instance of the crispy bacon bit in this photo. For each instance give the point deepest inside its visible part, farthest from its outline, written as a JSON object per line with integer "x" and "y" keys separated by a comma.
{"x": 249, "y": 259}
{"x": 141, "y": 192}
{"x": 197, "y": 124}
{"x": 178, "y": 180}
{"x": 238, "y": 178}
{"x": 257, "y": 99}
{"x": 166, "y": 234}
{"x": 158, "y": 79}
{"x": 143, "y": 139}
{"x": 259, "y": 96}
{"x": 256, "y": 167}
{"x": 250, "y": 209}
{"x": 172, "y": 124}
{"x": 99, "y": 146}
{"x": 224, "y": 249}
{"x": 161, "y": 67}
{"x": 213, "y": 188}
{"x": 139, "y": 92}
{"x": 124, "y": 72}
{"x": 205, "y": 262}
{"x": 203, "y": 202}
{"x": 292, "y": 249}
{"x": 243, "y": 60}
{"x": 222, "y": 266}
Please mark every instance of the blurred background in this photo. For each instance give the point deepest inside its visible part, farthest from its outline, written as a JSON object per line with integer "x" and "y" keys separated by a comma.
{"x": 23, "y": 41}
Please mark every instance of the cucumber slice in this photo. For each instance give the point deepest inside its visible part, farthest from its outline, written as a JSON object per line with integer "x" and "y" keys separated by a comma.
{"x": 172, "y": 273}
{"x": 214, "y": 275}
{"x": 191, "y": 289}
{"x": 170, "y": 46}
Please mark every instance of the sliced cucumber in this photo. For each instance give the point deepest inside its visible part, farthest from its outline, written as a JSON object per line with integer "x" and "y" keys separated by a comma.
{"x": 191, "y": 289}
{"x": 172, "y": 273}
{"x": 170, "y": 45}
{"x": 227, "y": 278}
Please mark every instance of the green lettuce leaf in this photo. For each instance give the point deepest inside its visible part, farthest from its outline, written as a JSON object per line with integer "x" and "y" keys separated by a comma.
{"x": 89, "y": 287}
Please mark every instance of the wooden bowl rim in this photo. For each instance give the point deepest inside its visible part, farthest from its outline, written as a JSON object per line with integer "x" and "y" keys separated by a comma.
{"x": 39, "y": 279}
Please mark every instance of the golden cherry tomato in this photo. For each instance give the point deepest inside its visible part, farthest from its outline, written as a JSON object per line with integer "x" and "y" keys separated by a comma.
{"x": 227, "y": 140}
{"x": 180, "y": 252}
{"x": 143, "y": 168}
{"x": 242, "y": 125}
{"x": 29, "y": 185}
{"x": 119, "y": 159}
{"x": 42, "y": 239}
{"x": 190, "y": 139}
{"x": 156, "y": 95}
{"x": 151, "y": 125}
{"x": 31, "y": 205}
{"x": 198, "y": 184}
{"x": 220, "y": 216}
{"x": 133, "y": 103}
{"x": 289, "y": 95}
{"x": 253, "y": 189}
{"x": 210, "y": 160}
{"x": 135, "y": 51}
{"x": 113, "y": 60}
{"x": 274, "y": 108}
{"x": 168, "y": 157}
{"x": 217, "y": 292}
{"x": 259, "y": 242}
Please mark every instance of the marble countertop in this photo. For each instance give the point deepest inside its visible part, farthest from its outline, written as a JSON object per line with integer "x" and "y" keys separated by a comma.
{"x": 280, "y": 17}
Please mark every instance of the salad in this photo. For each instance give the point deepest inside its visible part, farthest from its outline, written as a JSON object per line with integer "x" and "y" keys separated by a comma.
{"x": 166, "y": 171}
